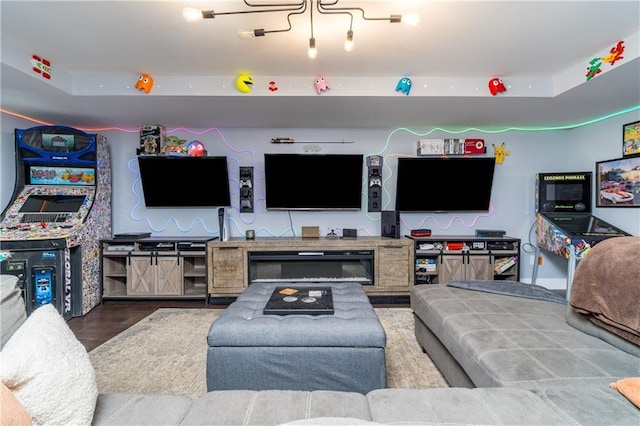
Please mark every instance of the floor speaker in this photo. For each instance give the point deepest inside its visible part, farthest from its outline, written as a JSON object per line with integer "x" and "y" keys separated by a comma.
{"x": 390, "y": 224}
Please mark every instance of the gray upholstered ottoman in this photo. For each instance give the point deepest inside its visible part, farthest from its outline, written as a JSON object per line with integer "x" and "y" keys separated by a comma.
{"x": 340, "y": 352}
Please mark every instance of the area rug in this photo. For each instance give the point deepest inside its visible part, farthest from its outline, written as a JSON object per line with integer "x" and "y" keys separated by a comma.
{"x": 165, "y": 353}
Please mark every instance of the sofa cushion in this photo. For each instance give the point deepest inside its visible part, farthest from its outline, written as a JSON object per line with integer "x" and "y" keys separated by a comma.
{"x": 508, "y": 341}
{"x": 510, "y": 288}
{"x": 136, "y": 409}
{"x": 49, "y": 370}
{"x": 590, "y": 405}
{"x": 12, "y": 313}
{"x": 630, "y": 388}
{"x": 460, "y": 406}
{"x": 235, "y": 407}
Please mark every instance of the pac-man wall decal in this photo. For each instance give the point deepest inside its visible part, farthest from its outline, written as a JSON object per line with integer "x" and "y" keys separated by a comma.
{"x": 244, "y": 83}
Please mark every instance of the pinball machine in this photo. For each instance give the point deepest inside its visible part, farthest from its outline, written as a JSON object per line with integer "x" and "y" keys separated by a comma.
{"x": 564, "y": 223}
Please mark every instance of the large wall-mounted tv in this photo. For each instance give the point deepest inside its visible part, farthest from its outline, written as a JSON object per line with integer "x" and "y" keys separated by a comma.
{"x": 437, "y": 184}
{"x": 171, "y": 181}
{"x": 313, "y": 181}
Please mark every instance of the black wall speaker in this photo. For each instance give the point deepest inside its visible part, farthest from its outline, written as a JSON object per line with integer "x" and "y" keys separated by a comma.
{"x": 374, "y": 183}
{"x": 246, "y": 190}
{"x": 390, "y": 224}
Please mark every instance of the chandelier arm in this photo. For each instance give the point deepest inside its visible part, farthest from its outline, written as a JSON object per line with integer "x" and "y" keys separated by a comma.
{"x": 336, "y": 12}
{"x": 326, "y": 9}
{"x": 304, "y": 9}
{"x": 298, "y": 4}
{"x": 302, "y": 5}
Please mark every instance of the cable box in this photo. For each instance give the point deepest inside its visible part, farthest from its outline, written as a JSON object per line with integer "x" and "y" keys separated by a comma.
{"x": 492, "y": 233}
{"x": 421, "y": 232}
{"x": 191, "y": 246}
{"x": 500, "y": 246}
{"x": 157, "y": 246}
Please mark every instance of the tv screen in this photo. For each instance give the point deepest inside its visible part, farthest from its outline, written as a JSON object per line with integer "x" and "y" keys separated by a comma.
{"x": 169, "y": 181}
{"x": 439, "y": 184}
{"x": 313, "y": 181}
{"x": 52, "y": 204}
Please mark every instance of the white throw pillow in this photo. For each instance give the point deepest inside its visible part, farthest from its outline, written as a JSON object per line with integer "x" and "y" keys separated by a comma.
{"x": 49, "y": 371}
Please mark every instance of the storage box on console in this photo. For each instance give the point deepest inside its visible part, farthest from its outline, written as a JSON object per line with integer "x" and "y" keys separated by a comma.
{"x": 153, "y": 138}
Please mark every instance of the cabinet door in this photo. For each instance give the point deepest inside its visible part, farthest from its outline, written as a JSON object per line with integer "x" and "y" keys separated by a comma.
{"x": 142, "y": 276}
{"x": 168, "y": 276}
{"x": 479, "y": 267}
{"x": 228, "y": 275}
{"x": 452, "y": 267}
{"x": 394, "y": 266}
{"x": 154, "y": 275}
{"x": 465, "y": 267}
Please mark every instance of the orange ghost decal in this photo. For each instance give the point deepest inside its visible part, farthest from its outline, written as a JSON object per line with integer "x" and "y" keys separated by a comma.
{"x": 145, "y": 82}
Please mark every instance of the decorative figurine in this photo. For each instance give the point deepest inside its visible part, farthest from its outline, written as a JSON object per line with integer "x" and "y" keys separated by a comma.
{"x": 500, "y": 153}
{"x": 244, "y": 83}
{"x": 195, "y": 149}
{"x": 321, "y": 85}
{"x": 496, "y": 85}
{"x": 404, "y": 85}
{"x": 145, "y": 82}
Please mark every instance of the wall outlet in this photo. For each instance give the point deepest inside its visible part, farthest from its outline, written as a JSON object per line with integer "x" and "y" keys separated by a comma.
{"x": 532, "y": 260}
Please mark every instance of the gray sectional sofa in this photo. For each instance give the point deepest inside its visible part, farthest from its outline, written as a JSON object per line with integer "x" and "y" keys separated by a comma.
{"x": 507, "y": 405}
{"x": 487, "y": 334}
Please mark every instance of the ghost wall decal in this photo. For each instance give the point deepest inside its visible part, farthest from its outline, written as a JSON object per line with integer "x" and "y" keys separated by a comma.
{"x": 321, "y": 85}
{"x": 145, "y": 82}
{"x": 496, "y": 85}
{"x": 404, "y": 85}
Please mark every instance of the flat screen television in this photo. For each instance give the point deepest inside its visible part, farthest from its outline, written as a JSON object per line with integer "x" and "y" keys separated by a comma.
{"x": 313, "y": 181}
{"x": 171, "y": 181}
{"x": 437, "y": 184}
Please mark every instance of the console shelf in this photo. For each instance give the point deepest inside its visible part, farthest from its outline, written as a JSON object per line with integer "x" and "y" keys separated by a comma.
{"x": 439, "y": 259}
{"x": 388, "y": 262}
{"x": 154, "y": 268}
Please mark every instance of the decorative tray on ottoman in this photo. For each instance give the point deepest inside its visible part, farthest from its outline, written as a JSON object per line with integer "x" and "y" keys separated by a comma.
{"x": 300, "y": 301}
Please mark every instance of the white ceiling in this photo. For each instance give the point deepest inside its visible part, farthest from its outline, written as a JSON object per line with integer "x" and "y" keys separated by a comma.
{"x": 540, "y": 49}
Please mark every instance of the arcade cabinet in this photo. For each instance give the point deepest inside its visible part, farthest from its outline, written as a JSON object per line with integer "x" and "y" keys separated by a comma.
{"x": 59, "y": 211}
{"x": 564, "y": 223}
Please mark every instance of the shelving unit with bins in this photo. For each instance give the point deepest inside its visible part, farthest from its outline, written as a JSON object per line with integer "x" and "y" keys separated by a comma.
{"x": 154, "y": 268}
{"x": 440, "y": 259}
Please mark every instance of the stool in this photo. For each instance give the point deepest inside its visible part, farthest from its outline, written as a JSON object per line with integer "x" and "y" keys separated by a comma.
{"x": 341, "y": 352}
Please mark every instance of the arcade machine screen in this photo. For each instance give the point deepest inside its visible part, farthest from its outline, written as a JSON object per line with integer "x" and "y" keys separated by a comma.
{"x": 52, "y": 204}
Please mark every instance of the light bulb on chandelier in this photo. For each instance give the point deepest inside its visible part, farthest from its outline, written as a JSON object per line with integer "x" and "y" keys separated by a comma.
{"x": 348, "y": 42}
{"x": 312, "y": 52}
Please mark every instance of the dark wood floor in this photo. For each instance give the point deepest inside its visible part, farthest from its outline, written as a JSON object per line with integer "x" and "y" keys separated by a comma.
{"x": 114, "y": 316}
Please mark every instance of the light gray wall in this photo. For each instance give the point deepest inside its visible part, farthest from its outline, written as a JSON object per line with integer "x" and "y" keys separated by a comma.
{"x": 513, "y": 196}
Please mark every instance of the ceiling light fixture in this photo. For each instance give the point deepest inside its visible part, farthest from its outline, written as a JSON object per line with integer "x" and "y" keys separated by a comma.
{"x": 299, "y": 8}
{"x": 312, "y": 52}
